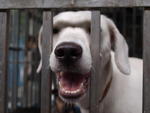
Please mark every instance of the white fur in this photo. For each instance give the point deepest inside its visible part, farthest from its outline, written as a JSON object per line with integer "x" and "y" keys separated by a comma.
{"x": 125, "y": 92}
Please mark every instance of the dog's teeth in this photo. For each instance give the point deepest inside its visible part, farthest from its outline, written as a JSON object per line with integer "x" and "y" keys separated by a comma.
{"x": 82, "y": 85}
{"x": 73, "y": 92}
{"x": 59, "y": 84}
{"x": 63, "y": 89}
{"x": 67, "y": 91}
{"x": 78, "y": 90}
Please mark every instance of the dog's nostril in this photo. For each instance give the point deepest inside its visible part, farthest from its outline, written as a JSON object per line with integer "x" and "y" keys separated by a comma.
{"x": 59, "y": 52}
{"x": 68, "y": 52}
{"x": 76, "y": 53}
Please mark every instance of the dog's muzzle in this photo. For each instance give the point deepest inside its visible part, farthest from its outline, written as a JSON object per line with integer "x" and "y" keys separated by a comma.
{"x": 72, "y": 84}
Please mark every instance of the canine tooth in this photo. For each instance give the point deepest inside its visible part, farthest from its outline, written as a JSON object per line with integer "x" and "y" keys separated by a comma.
{"x": 82, "y": 84}
{"x": 59, "y": 84}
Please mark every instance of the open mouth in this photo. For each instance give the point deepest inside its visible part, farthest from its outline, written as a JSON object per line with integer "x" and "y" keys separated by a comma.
{"x": 72, "y": 85}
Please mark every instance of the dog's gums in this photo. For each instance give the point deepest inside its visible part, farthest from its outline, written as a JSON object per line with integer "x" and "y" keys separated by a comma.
{"x": 72, "y": 85}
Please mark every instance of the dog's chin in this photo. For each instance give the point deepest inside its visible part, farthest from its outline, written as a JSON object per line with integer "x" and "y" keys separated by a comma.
{"x": 72, "y": 85}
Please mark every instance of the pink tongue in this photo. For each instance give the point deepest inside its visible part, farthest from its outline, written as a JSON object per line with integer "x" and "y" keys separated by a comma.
{"x": 71, "y": 81}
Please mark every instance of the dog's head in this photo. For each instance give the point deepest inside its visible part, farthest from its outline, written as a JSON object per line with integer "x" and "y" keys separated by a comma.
{"x": 71, "y": 58}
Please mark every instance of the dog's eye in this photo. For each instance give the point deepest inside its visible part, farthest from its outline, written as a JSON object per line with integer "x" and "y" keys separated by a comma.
{"x": 55, "y": 30}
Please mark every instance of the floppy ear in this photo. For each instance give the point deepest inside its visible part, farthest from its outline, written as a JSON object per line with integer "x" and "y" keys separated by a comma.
{"x": 40, "y": 50}
{"x": 120, "y": 49}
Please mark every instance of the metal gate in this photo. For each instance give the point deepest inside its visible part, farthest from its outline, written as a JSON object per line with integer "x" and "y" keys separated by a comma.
{"x": 48, "y": 8}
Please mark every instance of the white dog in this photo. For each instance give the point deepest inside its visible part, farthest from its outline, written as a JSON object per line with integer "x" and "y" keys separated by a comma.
{"x": 71, "y": 61}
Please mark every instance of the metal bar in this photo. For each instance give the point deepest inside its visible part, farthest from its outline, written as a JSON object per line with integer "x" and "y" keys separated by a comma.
{"x": 134, "y": 29}
{"x": 95, "y": 50}
{"x": 146, "y": 65}
{"x": 3, "y": 61}
{"x": 15, "y": 36}
{"x": 46, "y": 73}
{"x": 29, "y": 93}
{"x": 25, "y": 78}
{"x": 21, "y": 4}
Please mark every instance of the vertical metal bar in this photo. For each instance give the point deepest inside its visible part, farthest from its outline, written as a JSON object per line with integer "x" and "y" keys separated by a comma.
{"x": 146, "y": 65}
{"x": 15, "y": 36}
{"x": 141, "y": 32}
{"x": 134, "y": 29}
{"x": 95, "y": 50}
{"x": 3, "y": 61}
{"x": 46, "y": 73}
{"x": 25, "y": 85}
{"x": 29, "y": 93}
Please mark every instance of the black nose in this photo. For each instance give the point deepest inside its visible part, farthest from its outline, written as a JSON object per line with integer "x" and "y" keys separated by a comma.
{"x": 68, "y": 52}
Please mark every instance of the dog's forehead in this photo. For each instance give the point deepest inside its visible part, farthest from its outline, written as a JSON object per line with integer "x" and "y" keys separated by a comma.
{"x": 78, "y": 18}
{"x": 72, "y": 18}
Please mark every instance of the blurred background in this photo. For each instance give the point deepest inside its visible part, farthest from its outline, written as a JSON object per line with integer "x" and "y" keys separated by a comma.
{"x": 24, "y": 83}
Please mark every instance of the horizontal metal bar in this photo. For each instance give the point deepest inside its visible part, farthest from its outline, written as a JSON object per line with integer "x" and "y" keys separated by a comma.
{"x": 21, "y": 4}
{"x": 16, "y": 49}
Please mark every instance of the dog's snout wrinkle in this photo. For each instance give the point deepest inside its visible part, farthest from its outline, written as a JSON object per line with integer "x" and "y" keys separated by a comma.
{"x": 68, "y": 52}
